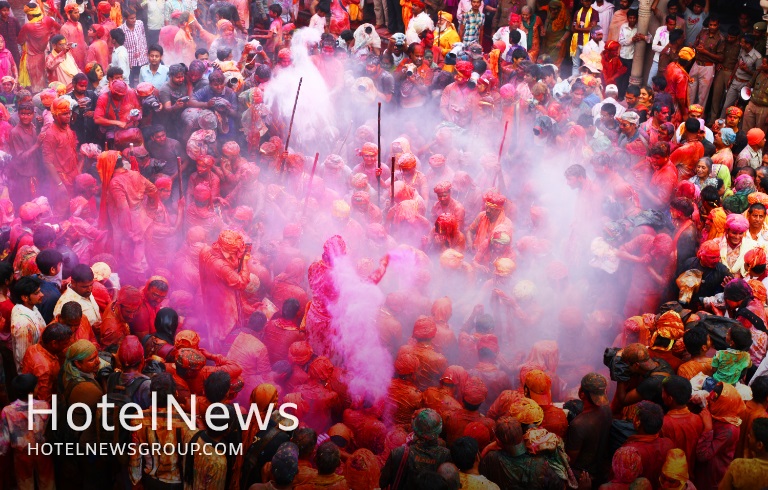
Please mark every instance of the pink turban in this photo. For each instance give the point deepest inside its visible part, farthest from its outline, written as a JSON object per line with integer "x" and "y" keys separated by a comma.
{"x": 737, "y": 223}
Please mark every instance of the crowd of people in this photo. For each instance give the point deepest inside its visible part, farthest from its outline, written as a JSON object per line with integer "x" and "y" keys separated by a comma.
{"x": 472, "y": 250}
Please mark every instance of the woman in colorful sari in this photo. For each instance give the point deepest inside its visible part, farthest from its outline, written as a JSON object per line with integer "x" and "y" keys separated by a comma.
{"x": 556, "y": 31}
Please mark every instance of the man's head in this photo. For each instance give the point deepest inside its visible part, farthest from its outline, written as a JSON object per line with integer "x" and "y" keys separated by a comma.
{"x": 631, "y": 95}
{"x": 71, "y": 314}
{"x": 649, "y": 418}
{"x": 676, "y": 391}
{"x": 155, "y": 54}
{"x": 465, "y": 453}
{"x": 26, "y": 291}
{"x": 5, "y": 10}
{"x": 49, "y": 262}
{"x": 628, "y": 123}
{"x": 756, "y": 216}
{"x": 736, "y": 226}
{"x": 681, "y": 208}
{"x": 608, "y": 115}
{"x": 637, "y": 358}
{"x": 756, "y": 138}
{"x": 156, "y": 291}
{"x": 216, "y": 386}
{"x": 164, "y": 385}
{"x": 575, "y": 175}
{"x": 26, "y": 113}
{"x": 117, "y": 37}
{"x": 327, "y": 458}
{"x": 56, "y": 338}
{"x": 713, "y": 25}
{"x": 129, "y": 301}
{"x": 82, "y": 280}
{"x": 698, "y": 6}
{"x": 758, "y": 438}
{"x": 632, "y": 17}
{"x": 217, "y": 82}
{"x": 696, "y": 341}
{"x": 592, "y": 389}
{"x": 509, "y": 432}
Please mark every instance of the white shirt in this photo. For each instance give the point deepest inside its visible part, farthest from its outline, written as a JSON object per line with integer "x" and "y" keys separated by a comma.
{"x": 120, "y": 59}
{"x": 155, "y": 14}
{"x": 605, "y": 13}
{"x": 608, "y": 100}
{"x": 593, "y": 47}
{"x": 660, "y": 39}
{"x": 626, "y": 34}
{"x": 317, "y": 23}
{"x": 503, "y": 35}
{"x": 24, "y": 321}
{"x": 89, "y": 305}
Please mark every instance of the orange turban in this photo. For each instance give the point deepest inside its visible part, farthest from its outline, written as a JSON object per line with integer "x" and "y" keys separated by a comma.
{"x": 231, "y": 242}
{"x": 756, "y": 197}
{"x": 475, "y": 391}
{"x": 709, "y": 253}
{"x": 425, "y": 328}
{"x": 321, "y": 369}
{"x": 758, "y": 290}
{"x": 186, "y": 339}
{"x": 406, "y": 364}
{"x": 60, "y": 106}
{"x": 676, "y": 466}
{"x": 728, "y": 406}
{"x": 407, "y": 161}
{"x": 755, "y": 257}
{"x": 627, "y": 465}
{"x": 669, "y": 325}
{"x": 263, "y": 395}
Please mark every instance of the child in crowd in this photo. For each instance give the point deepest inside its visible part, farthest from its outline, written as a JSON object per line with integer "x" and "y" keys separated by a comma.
{"x": 730, "y": 363}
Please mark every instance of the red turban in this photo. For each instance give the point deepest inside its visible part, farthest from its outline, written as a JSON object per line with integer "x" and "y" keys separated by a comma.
{"x": 464, "y": 68}
{"x": 479, "y": 432}
{"x": 230, "y": 149}
{"x": 99, "y": 31}
{"x": 406, "y": 364}
{"x": 369, "y": 149}
{"x": 145, "y": 89}
{"x": 437, "y": 160}
{"x": 475, "y": 391}
{"x": 131, "y": 352}
{"x": 494, "y": 199}
{"x": 447, "y": 224}
{"x": 361, "y": 199}
{"x": 71, "y": 8}
{"x": 186, "y": 339}
{"x": 443, "y": 187}
{"x": 104, "y": 8}
{"x": 231, "y": 242}
{"x": 300, "y": 353}
{"x": 709, "y": 253}
{"x": 118, "y": 87}
{"x": 359, "y": 181}
{"x": 201, "y": 193}
{"x": 321, "y": 369}
{"x": 129, "y": 296}
{"x": 425, "y": 328}
{"x": 407, "y": 161}
{"x": 164, "y": 183}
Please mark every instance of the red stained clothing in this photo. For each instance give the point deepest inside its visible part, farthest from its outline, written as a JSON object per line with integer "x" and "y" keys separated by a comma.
{"x": 59, "y": 149}
{"x": 432, "y": 364}
{"x": 279, "y": 334}
{"x": 322, "y": 403}
{"x": 458, "y": 420}
{"x": 454, "y": 207}
{"x": 663, "y": 182}
{"x": 653, "y": 452}
{"x": 555, "y": 420}
{"x": 113, "y": 328}
{"x": 143, "y": 323}
{"x": 683, "y": 428}
{"x": 221, "y": 283}
{"x": 685, "y": 157}
{"x": 677, "y": 83}
{"x": 403, "y": 398}
{"x": 440, "y": 400}
{"x": 222, "y": 363}
{"x": 35, "y": 36}
{"x": 98, "y": 51}
{"x": 106, "y": 105}
{"x": 714, "y": 452}
{"x": 38, "y": 361}
{"x": 751, "y": 412}
{"x": 495, "y": 380}
{"x": 73, "y": 31}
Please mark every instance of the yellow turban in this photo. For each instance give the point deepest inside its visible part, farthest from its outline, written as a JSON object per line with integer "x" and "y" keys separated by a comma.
{"x": 34, "y": 12}
{"x": 687, "y": 54}
{"x": 676, "y": 466}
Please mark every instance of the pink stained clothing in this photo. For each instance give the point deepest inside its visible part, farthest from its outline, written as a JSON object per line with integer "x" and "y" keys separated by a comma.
{"x": 714, "y": 453}
{"x": 59, "y": 148}
{"x": 98, "y": 51}
{"x": 184, "y": 46}
{"x": 35, "y": 36}
{"x": 251, "y": 354}
{"x": 166, "y": 39}
{"x": 685, "y": 157}
{"x": 683, "y": 428}
{"x": 7, "y": 64}
{"x": 339, "y": 17}
{"x": 220, "y": 284}
{"x": 318, "y": 319}
{"x": 61, "y": 67}
{"x": 73, "y": 32}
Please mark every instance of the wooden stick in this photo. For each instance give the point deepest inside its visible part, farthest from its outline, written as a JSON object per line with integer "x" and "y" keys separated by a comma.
{"x": 290, "y": 125}
{"x": 392, "y": 185}
{"x": 309, "y": 185}
{"x": 178, "y": 166}
{"x": 378, "y": 161}
{"x": 501, "y": 149}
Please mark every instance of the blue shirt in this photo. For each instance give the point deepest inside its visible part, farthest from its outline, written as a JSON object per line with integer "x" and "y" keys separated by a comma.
{"x": 157, "y": 79}
{"x": 51, "y": 295}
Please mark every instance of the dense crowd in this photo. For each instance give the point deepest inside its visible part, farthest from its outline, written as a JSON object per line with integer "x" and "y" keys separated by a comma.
{"x": 473, "y": 244}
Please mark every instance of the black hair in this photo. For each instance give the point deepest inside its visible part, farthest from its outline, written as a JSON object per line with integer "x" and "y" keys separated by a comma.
{"x": 484, "y": 323}
{"x": 660, "y": 82}
{"x": 82, "y": 273}
{"x": 112, "y": 71}
{"x": 223, "y": 53}
{"x": 79, "y": 77}
{"x": 306, "y": 440}
{"x": 741, "y": 338}
{"x": 56, "y": 39}
{"x": 678, "y": 388}
{"x": 670, "y": 17}
{"x": 164, "y": 385}
{"x": 650, "y": 416}
{"x": 55, "y": 332}
{"x": 25, "y": 286}
{"x": 760, "y": 430}
{"x": 577, "y": 171}
{"x": 748, "y": 38}
{"x": 4, "y": 5}
{"x": 676, "y": 35}
{"x": 695, "y": 339}
{"x": 6, "y": 273}
{"x": 276, "y": 8}
{"x": 692, "y": 125}
{"x": 534, "y": 71}
{"x": 43, "y": 236}
{"x": 200, "y": 51}
{"x": 464, "y": 453}
{"x": 327, "y": 458}
{"x": 757, "y": 206}
{"x": 660, "y": 148}
{"x": 633, "y": 90}
{"x": 632, "y": 13}
{"x": 514, "y": 36}
{"x": 118, "y": 36}
{"x": 128, "y": 11}
{"x": 682, "y": 204}
{"x": 24, "y": 384}
{"x": 257, "y": 321}
{"x": 546, "y": 71}
{"x": 155, "y": 47}
{"x": 48, "y": 259}
{"x": 609, "y": 109}
{"x": 71, "y": 310}
{"x": 216, "y": 386}
{"x": 759, "y": 387}
{"x": 585, "y": 120}
{"x": 290, "y": 308}
{"x": 519, "y": 53}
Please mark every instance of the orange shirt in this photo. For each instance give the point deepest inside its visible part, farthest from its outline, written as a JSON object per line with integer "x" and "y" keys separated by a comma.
{"x": 38, "y": 361}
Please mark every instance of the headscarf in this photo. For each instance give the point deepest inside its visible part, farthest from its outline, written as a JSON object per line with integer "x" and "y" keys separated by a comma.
{"x": 526, "y": 411}
{"x": 263, "y": 395}
{"x": 35, "y": 12}
{"x": 676, "y": 466}
{"x": 131, "y": 352}
{"x": 759, "y": 291}
{"x": 727, "y": 406}
{"x": 427, "y": 424}
{"x": 627, "y": 465}
{"x": 744, "y": 185}
{"x": 755, "y": 257}
{"x": 186, "y": 339}
{"x": 79, "y": 351}
{"x": 105, "y": 165}
{"x": 559, "y": 23}
{"x": 362, "y": 469}
{"x": 728, "y": 136}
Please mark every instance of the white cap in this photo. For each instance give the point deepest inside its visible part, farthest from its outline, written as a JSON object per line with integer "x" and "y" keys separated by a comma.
{"x": 611, "y": 88}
